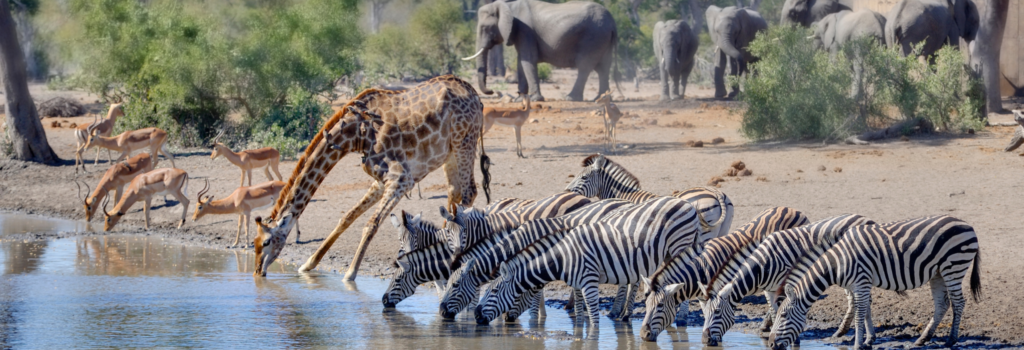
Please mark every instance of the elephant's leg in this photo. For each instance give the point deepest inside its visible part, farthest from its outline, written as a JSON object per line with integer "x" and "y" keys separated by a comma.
{"x": 529, "y": 81}
{"x": 603, "y": 68}
{"x": 582, "y": 72}
{"x": 720, "y": 74}
{"x": 675, "y": 85}
{"x": 663, "y": 69}
{"x": 735, "y": 68}
{"x": 685, "y": 77}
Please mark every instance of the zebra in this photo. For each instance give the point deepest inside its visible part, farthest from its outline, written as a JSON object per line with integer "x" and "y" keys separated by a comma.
{"x": 766, "y": 269}
{"x": 415, "y": 268}
{"x": 898, "y": 256}
{"x": 603, "y": 178}
{"x": 463, "y": 286}
{"x": 616, "y": 250}
{"x": 415, "y": 233}
{"x": 468, "y": 225}
{"x": 686, "y": 277}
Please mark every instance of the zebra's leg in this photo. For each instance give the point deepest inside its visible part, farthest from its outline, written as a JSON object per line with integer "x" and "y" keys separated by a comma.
{"x": 848, "y": 319}
{"x": 869, "y": 326}
{"x": 682, "y": 312}
{"x": 440, "y": 285}
{"x": 956, "y": 298}
{"x": 773, "y": 308}
{"x": 591, "y": 295}
{"x": 540, "y": 310}
{"x": 579, "y": 304}
{"x": 619, "y": 303}
{"x": 627, "y": 304}
{"x": 940, "y": 297}
{"x": 862, "y": 299}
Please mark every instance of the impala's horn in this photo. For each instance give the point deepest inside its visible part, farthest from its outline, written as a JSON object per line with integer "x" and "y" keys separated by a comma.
{"x": 217, "y": 138}
{"x": 87, "y": 191}
{"x": 203, "y": 191}
{"x": 104, "y": 205}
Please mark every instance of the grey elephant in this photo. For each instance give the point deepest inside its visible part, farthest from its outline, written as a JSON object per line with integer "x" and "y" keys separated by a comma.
{"x": 572, "y": 34}
{"x": 933, "y": 22}
{"x": 806, "y": 12}
{"x": 674, "y": 47}
{"x": 838, "y": 28}
{"x": 732, "y": 29}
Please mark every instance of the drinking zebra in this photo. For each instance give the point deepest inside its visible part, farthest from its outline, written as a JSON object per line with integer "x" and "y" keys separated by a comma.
{"x": 617, "y": 250}
{"x": 603, "y": 178}
{"x": 472, "y": 269}
{"x": 415, "y": 268}
{"x": 767, "y": 267}
{"x": 468, "y": 225}
{"x": 896, "y": 256}
{"x": 686, "y": 277}
{"x": 415, "y": 233}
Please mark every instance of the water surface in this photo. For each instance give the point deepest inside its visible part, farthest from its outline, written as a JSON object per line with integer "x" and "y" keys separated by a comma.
{"x": 135, "y": 291}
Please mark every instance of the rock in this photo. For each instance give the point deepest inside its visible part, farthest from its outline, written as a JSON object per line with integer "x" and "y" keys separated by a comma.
{"x": 904, "y": 138}
{"x": 717, "y": 140}
{"x": 698, "y": 143}
{"x": 651, "y": 121}
{"x": 746, "y": 172}
{"x": 534, "y": 121}
{"x": 73, "y": 125}
{"x": 821, "y": 168}
{"x": 738, "y": 165}
{"x": 55, "y": 124}
{"x": 579, "y": 128}
{"x": 666, "y": 112}
{"x": 715, "y": 181}
{"x": 799, "y": 171}
{"x": 837, "y": 170}
{"x": 572, "y": 175}
{"x": 730, "y": 172}
{"x": 762, "y": 179}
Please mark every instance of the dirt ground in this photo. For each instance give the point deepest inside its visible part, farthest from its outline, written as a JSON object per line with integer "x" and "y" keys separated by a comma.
{"x": 968, "y": 176}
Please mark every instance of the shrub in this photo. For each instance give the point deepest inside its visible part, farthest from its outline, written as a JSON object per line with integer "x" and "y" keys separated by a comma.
{"x": 801, "y": 93}
{"x": 288, "y": 128}
{"x": 543, "y": 71}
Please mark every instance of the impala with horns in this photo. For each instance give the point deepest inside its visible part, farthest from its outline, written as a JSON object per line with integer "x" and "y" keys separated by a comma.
{"x": 103, "y": 128}
{"x": 164, "y": 181}
{"x": 243, "y": 201}
{"x": 114, "y": 179}
{"x": 130, "y": 141}
{"x": 266, "y": 158}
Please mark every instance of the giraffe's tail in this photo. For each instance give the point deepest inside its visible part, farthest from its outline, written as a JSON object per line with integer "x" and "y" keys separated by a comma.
{"x": 485, "y": 168}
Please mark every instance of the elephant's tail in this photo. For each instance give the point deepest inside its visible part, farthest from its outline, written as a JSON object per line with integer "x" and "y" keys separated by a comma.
{"x": 615, "y": 65}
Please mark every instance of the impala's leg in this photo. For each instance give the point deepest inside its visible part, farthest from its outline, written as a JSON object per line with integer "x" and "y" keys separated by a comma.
{"x": 266, "y": 171}
{"x": 117, "y": 193}
{"x": 248, "y": 217}
{"x": 238, "y": 231}
{"x": 371, "y": 197}
{"x": 145, "y": 210}
{"x": 163, "y": 149}
{"x": 97, "y": 160}
{"x": 241, "y": 182}
{"x": 396, "y": 187}
{"x": 274, "y": 164}
{"x": 126, "y": 152}
{"x": 183, "y": 200}
{"x": 109, "y": 159}
{"x": 519, "y": 141}
{"x": 248, "y": 173}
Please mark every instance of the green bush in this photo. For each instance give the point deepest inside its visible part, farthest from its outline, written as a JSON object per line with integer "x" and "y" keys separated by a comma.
{"x": 380, "y": 61}
{"x": 798, "y": 92}
{"x": 288, "y": 128}
{"x": 543, "y": 71}
{"x": 430, "y": 45}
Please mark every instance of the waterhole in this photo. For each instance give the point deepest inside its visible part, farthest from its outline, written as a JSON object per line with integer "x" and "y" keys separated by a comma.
{"x": 143, "y": 292}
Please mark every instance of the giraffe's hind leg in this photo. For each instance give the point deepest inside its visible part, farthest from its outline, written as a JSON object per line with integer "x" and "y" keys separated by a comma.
{"x": 393, "y": 192}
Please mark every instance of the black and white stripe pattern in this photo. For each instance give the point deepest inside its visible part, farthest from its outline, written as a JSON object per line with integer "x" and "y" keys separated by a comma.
{"x": 472, "y": 269}
{"x": 467, "y": 226}
{"x": 415, "y": 268}
{"x": 686, "y": 277}
{"x": 604, "y": 179}
{"x": 896, "y": 256}
{"x": 617, "y": 250}
{"x": 414, "y": 233}
{"x": 767, "y": 267}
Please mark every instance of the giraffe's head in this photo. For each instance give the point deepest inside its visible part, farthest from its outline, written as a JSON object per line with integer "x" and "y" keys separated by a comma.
{"x": 269, "y": 241}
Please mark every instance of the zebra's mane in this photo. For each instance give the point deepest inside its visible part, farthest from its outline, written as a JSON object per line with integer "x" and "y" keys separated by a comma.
{"x": 432, "y": 249}
{"x": 688, "y": 254}
{"x": 523, "y": 256}
{"x": 613, "y": 167}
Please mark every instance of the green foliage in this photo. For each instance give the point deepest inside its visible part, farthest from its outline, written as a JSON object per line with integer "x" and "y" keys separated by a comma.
{"x": 801, "y": 93}
{"x": 380, "y": 60}
{"x": 543, "y": 71}
{"x": 288, "y": 127}
{"x": 430, "y": 45}
{"x": 184, "y": 71}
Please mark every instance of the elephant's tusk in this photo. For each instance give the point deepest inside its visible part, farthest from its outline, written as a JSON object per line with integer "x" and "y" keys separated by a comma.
{"x": 477, "y": 54}
{"x": 810, "y": 37}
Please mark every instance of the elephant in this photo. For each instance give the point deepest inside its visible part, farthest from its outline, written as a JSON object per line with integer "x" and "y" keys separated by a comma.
{"x": 806, "y": 12}
{"x": 732, "y": 29}
{"x": 567, "y": 35}
{"x": 838, "y": 28}
{"x": 674, "y": 48}
{"x": 934, "y": 22}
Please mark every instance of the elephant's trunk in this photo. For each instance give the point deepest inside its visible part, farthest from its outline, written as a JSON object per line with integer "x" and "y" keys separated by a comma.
{"x": 481, "y": 70}
{"x": 726, "y": 44}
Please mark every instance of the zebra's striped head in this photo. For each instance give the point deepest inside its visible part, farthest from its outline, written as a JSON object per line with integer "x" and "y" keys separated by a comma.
{"x": 661, "y": 303}
{"x": 462, "y": 289}
{"x": 602, "y": 178}
{"x": 460, "y": 225}
{"x": 411, "y": 232}
{"x": 790, "y": 321}
{"x": 403, "y": 283}
{"x": 504, "y": 291}
{"x": 718, "y": 315}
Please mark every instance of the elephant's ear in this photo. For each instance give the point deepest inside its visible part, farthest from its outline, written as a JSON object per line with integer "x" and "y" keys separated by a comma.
{"x": 972, "y": 22}
{"x": 505, "y": 20}
{"x": 711, "y": 17}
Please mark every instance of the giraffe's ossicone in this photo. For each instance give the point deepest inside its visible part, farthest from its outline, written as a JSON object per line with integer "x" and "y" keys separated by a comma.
{"x": 403, "y": 135}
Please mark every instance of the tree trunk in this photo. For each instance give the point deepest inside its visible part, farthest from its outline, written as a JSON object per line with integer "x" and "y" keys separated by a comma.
{"x": 23, "y": 126}
{"x": 26, "y": 38}
{"x": 697, "y": 16}
{"x": 754, "y": 4}
{"x": 376, "y": 12}
{"x": 985, "y": 54}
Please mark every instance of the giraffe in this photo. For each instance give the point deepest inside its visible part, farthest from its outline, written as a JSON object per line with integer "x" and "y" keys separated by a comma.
{"x": 403, "y": 136}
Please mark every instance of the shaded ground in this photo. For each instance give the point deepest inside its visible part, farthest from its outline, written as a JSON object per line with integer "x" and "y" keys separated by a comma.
{"x": 968, "y": 177}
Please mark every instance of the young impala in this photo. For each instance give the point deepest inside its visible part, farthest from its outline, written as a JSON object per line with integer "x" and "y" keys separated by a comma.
{"x": 163, "y": 181}
{"x": 513, "y": 117}
{"x": 243, "y": 201}
{"x": 130, "y": 141}
{"x": 103, "y": 128}
{"x": 114, "y": 179}
{"x": 266, "y": 158}
{"x": 611, "y": 116}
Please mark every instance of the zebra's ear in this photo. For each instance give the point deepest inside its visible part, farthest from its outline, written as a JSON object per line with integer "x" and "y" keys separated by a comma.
{"x": 445, "y": 214}
{"x": 673, "y": 288}
{"x": 645, "y": 281}
{"x": 469, "y": 264}
{"x": 418, "y": 217}
{"x": 395, "y": 221}
{"x": 404, "y": 265}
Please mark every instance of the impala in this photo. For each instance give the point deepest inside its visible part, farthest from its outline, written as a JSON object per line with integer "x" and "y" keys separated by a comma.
{"x": 164, "y": 181}
{"x": 243, "y": 201}
{"x": 103, "y": 128}
{"x": 266, "y": 158}
{"x": 114, "y": 179}
{"x": 130, "y": 141}
{"x": 513, "y": 117}
{"x": 611, "y": 116}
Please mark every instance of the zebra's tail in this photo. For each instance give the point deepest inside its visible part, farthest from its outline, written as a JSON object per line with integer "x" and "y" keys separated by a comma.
{"x": 976, "y": 278}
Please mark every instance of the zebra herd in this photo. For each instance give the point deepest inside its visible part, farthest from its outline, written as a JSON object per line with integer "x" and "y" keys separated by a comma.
{"x": 679, "y": 247}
